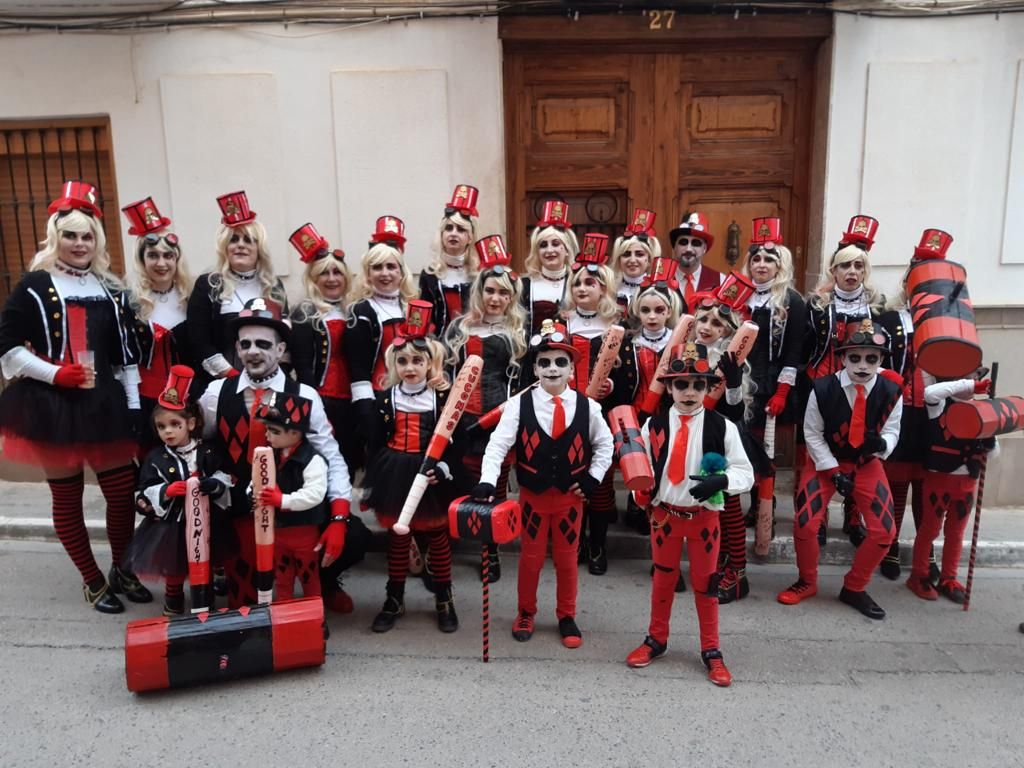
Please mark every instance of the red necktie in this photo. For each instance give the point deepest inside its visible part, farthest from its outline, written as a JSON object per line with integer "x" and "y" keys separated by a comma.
{"x": 689, "y": 290}
{"x": 558, "y": 419}
{"x": 257, "y": 429}
{"x": 677, "y": 461}
{"x": 857, "y": 422}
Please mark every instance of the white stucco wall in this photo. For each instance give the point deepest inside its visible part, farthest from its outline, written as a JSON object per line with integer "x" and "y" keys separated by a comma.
{"x": 335, "y": 126}
{"x": 926, "y": 129}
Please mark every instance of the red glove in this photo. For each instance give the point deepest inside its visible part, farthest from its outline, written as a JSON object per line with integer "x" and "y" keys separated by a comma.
{"x": 271, "y": 496}
{"x": 777, "y": 402}
{"x": 332, "y": 540}
{"x": 891, "y": 375}
{"x": 176, "y": 489}
{"x": 70, "y": 376}
{"x": 982, "y": 386}
{"x": 232, "y": 373}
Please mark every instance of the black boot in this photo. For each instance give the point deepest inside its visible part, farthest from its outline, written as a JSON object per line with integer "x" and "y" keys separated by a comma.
{"x": 174, "y": 605}
{"x": 890, "y": 567}
{"x": 127, "y": 583}
{"x": 99, "y": 596}
{"x": 598, "y": 564}
{"x": 394, "y": 606}
{"x": 447, "y": 620}
{"x": 862, "y": 602}
{"x": 733, "y": 586}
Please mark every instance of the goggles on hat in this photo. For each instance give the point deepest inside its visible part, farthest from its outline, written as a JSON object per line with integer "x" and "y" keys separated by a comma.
{"x": 154, "y": 239}
{"x": 557, "y": 337}
{"x": 451, "y": 211}
{"x": 418, "y": 342}
{"x": 862, "y": 339}
{"x": 64, "y": 210}
{"x": 594, "y": 269}
{"x": 499, "y": 270}
{"x": 768, "y": 248}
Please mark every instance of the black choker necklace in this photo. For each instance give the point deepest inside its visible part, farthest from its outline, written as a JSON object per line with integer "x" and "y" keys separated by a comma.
{"x": 244, "y": 276}
{"x": 164, "y": 295}
{"x": 263, "y": 379}
{"x": 385, "y": 297}
{"x": 82, "y": 275}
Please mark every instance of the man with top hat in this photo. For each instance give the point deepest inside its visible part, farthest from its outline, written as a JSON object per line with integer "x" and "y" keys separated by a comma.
{"x": 691, "y": 241}
{"x": 851, "y": 424}
{"x": 229, "y": 410}
{"x": 689, "y": 481}
{"x": 563, "y": 450}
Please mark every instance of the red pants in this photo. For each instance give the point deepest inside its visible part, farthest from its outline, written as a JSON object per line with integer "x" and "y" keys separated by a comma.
{"x": 562, "y": 514}
{"x": 874, "y": 500}
{"x": 950, "y": 497}
{"x": 294, "y": 558}
{"x": 702, "y": 540}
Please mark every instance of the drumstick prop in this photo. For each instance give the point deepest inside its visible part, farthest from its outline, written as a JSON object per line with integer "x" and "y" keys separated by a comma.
{"x": 197, "y": 545}
{"x": 463, "y": 387}
{"x": 741, "y": 344}
{"x": 606, "y": 359}
{"x": 977, "y": 507}
{"x": 264, "y": 475}
{"x": 657, "y": 388}
{"x": 766, "y": 495}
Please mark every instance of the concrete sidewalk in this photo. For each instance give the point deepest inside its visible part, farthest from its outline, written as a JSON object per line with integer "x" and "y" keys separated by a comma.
{"x": 26, "y": 515}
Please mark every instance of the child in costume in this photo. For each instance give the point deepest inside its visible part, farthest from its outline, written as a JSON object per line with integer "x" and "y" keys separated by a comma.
{"x": 851, "y": 424}
{"x": 563, "y": 450}
{"x": 158, "y": 549}
{"x": 407, "y": 413}
{"x": 681, "y": 507}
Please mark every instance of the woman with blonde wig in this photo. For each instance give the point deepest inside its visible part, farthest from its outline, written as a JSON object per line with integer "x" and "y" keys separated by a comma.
{"x": 632, "y": 256}
{"x": 553, "y": 247}
{"x": 445, "y": 282}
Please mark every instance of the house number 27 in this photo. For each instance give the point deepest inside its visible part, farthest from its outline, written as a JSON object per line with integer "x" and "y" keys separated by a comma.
{"x": 660, "y": 19}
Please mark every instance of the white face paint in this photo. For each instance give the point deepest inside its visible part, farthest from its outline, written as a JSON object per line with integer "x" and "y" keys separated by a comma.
{"x": 689, "y": 251}
{"x": 862, "y": 363}
{"x": 691, "y": 398}
{"x": 260, "y": 350}
{"x": 553, "y": 368}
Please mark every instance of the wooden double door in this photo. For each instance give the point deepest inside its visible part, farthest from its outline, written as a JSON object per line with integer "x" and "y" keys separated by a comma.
{"x": 721, "y": 126}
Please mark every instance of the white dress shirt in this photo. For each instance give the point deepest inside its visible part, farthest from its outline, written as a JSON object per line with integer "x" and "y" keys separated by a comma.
{"x": 814, "y": 424}
{"x": 684, "y": 278}
{"x": 738, "y": 469}
{"x": 504, "y": 435}
{"x": 314, "y": 486}
{"x": 320, "y": 436}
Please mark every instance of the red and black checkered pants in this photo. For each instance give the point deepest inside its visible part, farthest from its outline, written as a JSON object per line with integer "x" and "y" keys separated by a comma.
{"x": 947, "y": 499}
{"x": 561, "y": 514}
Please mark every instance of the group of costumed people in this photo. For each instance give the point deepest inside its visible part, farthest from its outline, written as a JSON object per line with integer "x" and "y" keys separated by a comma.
{"x": 157, "y": 379}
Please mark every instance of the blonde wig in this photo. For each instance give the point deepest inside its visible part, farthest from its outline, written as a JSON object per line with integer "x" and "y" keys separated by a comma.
{"x": 568, "y": 238}
{"x": 223, "y": 281}
{"x": 76, "y": 221}
{"x": 436, "y": 377}
{"x": 669, "y": 298}
{"x": 438, "y": 266}
{"x": 823, "y": 294}
{"x": 514, "y": 330}
{"x": 779, "y": 301}
{"x": 313, "y": 270}
{"x": 378, "y": 254}
{"x": 142, "y": 288}
{"x": 607, "y": 307}
{"x": 623, "y": 244}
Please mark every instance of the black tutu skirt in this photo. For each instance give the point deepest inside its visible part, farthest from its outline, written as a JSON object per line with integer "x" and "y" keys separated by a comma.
{"x": 388, "y": 480}
{"x": 54, "y": 426}
{"x": 754, "y": 448}
{"x": 157, "y": 550}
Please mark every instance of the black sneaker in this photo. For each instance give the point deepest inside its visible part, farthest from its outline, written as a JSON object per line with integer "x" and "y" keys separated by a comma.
{"x": 598, "y": 565}
{"x": 890, "y": 567}
{"x": 99, "y": 596}
{"x": 127, "y": 583}
{"x": 522, "y": 627}
{"x": 394, "y": 607}
{"x": 174, "y": 605}
{"x": 447, "y": 619}
{"x": 862, "y": 602}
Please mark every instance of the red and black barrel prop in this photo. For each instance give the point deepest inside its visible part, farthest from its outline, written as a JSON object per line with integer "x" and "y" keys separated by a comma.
{"x": 630, "y": 450}
{"x": 945, "y": 337}
{"x": 490, "y": 522}
{"x": 979, "y": 419}
{"x": 164, "y": 653}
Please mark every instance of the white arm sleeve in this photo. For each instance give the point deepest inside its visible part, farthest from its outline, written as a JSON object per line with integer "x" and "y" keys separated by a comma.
{"x": 313, "y": 490}
{"x": 19, "y": 362}
{"x": 129, "y": 378}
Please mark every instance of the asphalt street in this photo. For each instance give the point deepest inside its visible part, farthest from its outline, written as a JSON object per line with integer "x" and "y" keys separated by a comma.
{"x": 816, "y": 684}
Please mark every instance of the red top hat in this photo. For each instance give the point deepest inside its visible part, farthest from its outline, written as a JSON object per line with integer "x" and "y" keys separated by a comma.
{"x": 860, "y": 231}
{"x": 593, "y": 252}
{"x": 463, "y": 201}
{"x": 235, "y": 207}
{"x": 389, "y": 229}
{"x": 734, "y": 291}
{"x": 175, "y": 394}
{"x": 77, "y": 196}
{"x": 934, "y": 244}
{"x": 260, "y": 311}
{"x": 416, "y": 326}
{"x": 309, "y": 243}
{"x": 695, "y": 225}
{"x": 689, "y": 359}
{"x": 286, "y": 410}
{"x": 642, "y": 224}
{"x": 552, "y": 336}
{"x": 556, "y": 214}
{"x": 866, "y": 333}
{"x": 663, "y": 272}
{"x": 144, "y": 217}
{"x": 766, "y": 232}
{"x": 492, "y": 252}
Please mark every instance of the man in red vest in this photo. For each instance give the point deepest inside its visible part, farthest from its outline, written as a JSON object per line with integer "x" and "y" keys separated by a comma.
{"x": 691, "y": 240}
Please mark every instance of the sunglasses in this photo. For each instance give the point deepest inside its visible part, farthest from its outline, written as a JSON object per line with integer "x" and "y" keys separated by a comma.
{"x": 696, "y": 242}
{"x": 558, "y": 362}
{"x": 154, "y": 239}
{"x": 697, "y": 385}
{"x": 260, "y": 344}
{"x": 871, "y": 359}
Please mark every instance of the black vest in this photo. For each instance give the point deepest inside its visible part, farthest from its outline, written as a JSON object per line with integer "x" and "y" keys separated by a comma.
{"x": 712, "y": 440}
{"x": 543, "y": 462}
{"x": 233, "y": 428}
{"x": 836, "y": 412}
{"x": 289, "y": 480}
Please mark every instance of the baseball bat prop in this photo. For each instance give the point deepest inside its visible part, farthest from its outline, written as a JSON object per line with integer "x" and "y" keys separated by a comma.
{"x": 490, "y": 419}
{"x": 607, "y": 356}
{"x": 766, "y": 495}
{"x": 197, "y": 545}
{"x": 264, "y": 475}
{"x": 206, "y": 647}
{"x": 462, "y": 389}
{"x": 630, "y": 449}
{"x": 657, "y": 388}
{"x": 741, "y": 344}
{"x": 977, "y": 507}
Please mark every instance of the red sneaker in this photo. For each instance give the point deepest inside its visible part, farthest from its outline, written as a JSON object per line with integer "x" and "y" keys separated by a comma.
{"x": 648, "y": 651}
{"x": 922, "y": 587}
{"x": 522, "y": 627}
{"x": 718, "y": 673}
{"x": 571, "y": 635}
{"x": 798, "y": 591}
{"x": 953, "y": 589}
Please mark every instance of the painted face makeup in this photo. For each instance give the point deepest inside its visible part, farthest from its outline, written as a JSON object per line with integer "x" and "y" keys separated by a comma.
{"x": 243, "y": 251}
{"x": 553, "y": 368}
{"x": 862, "y": 363}
{"x": 689, "y": 251}
{"x": 386, "y": 276}
{"x": 688, "y": 393}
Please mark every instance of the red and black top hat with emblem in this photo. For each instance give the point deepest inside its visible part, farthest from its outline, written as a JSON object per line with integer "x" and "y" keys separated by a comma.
{"x": 265, "y": 312}
{"x": 663, "y": 273}
{"x": 860, "y": 231}
{"x": 77, "y": 196}
{"x": 689, "y": 359}
{"x": 391, "y": 230}
{"x": 865, "y": 334}
{"x": 593, "y": 252}
{"x": 463, "y": 201}
{"x": 494, "y": 256}
{"x": 552, "y": 336}
{"x": 286, "y": 410}
{"x": 695, "y": 225}
{"x": 735, "y": 290}
{"x": 235, "y": 209}
{"x": 417, "y": 325}
{"x": 934, "y": 245}
{"x": 309, "y": 243}
{"x": 175, "y": 394}
{"x": 642, "y": 225}
{"x": 145, "y": 218}
{"x": 556, "y": 214}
